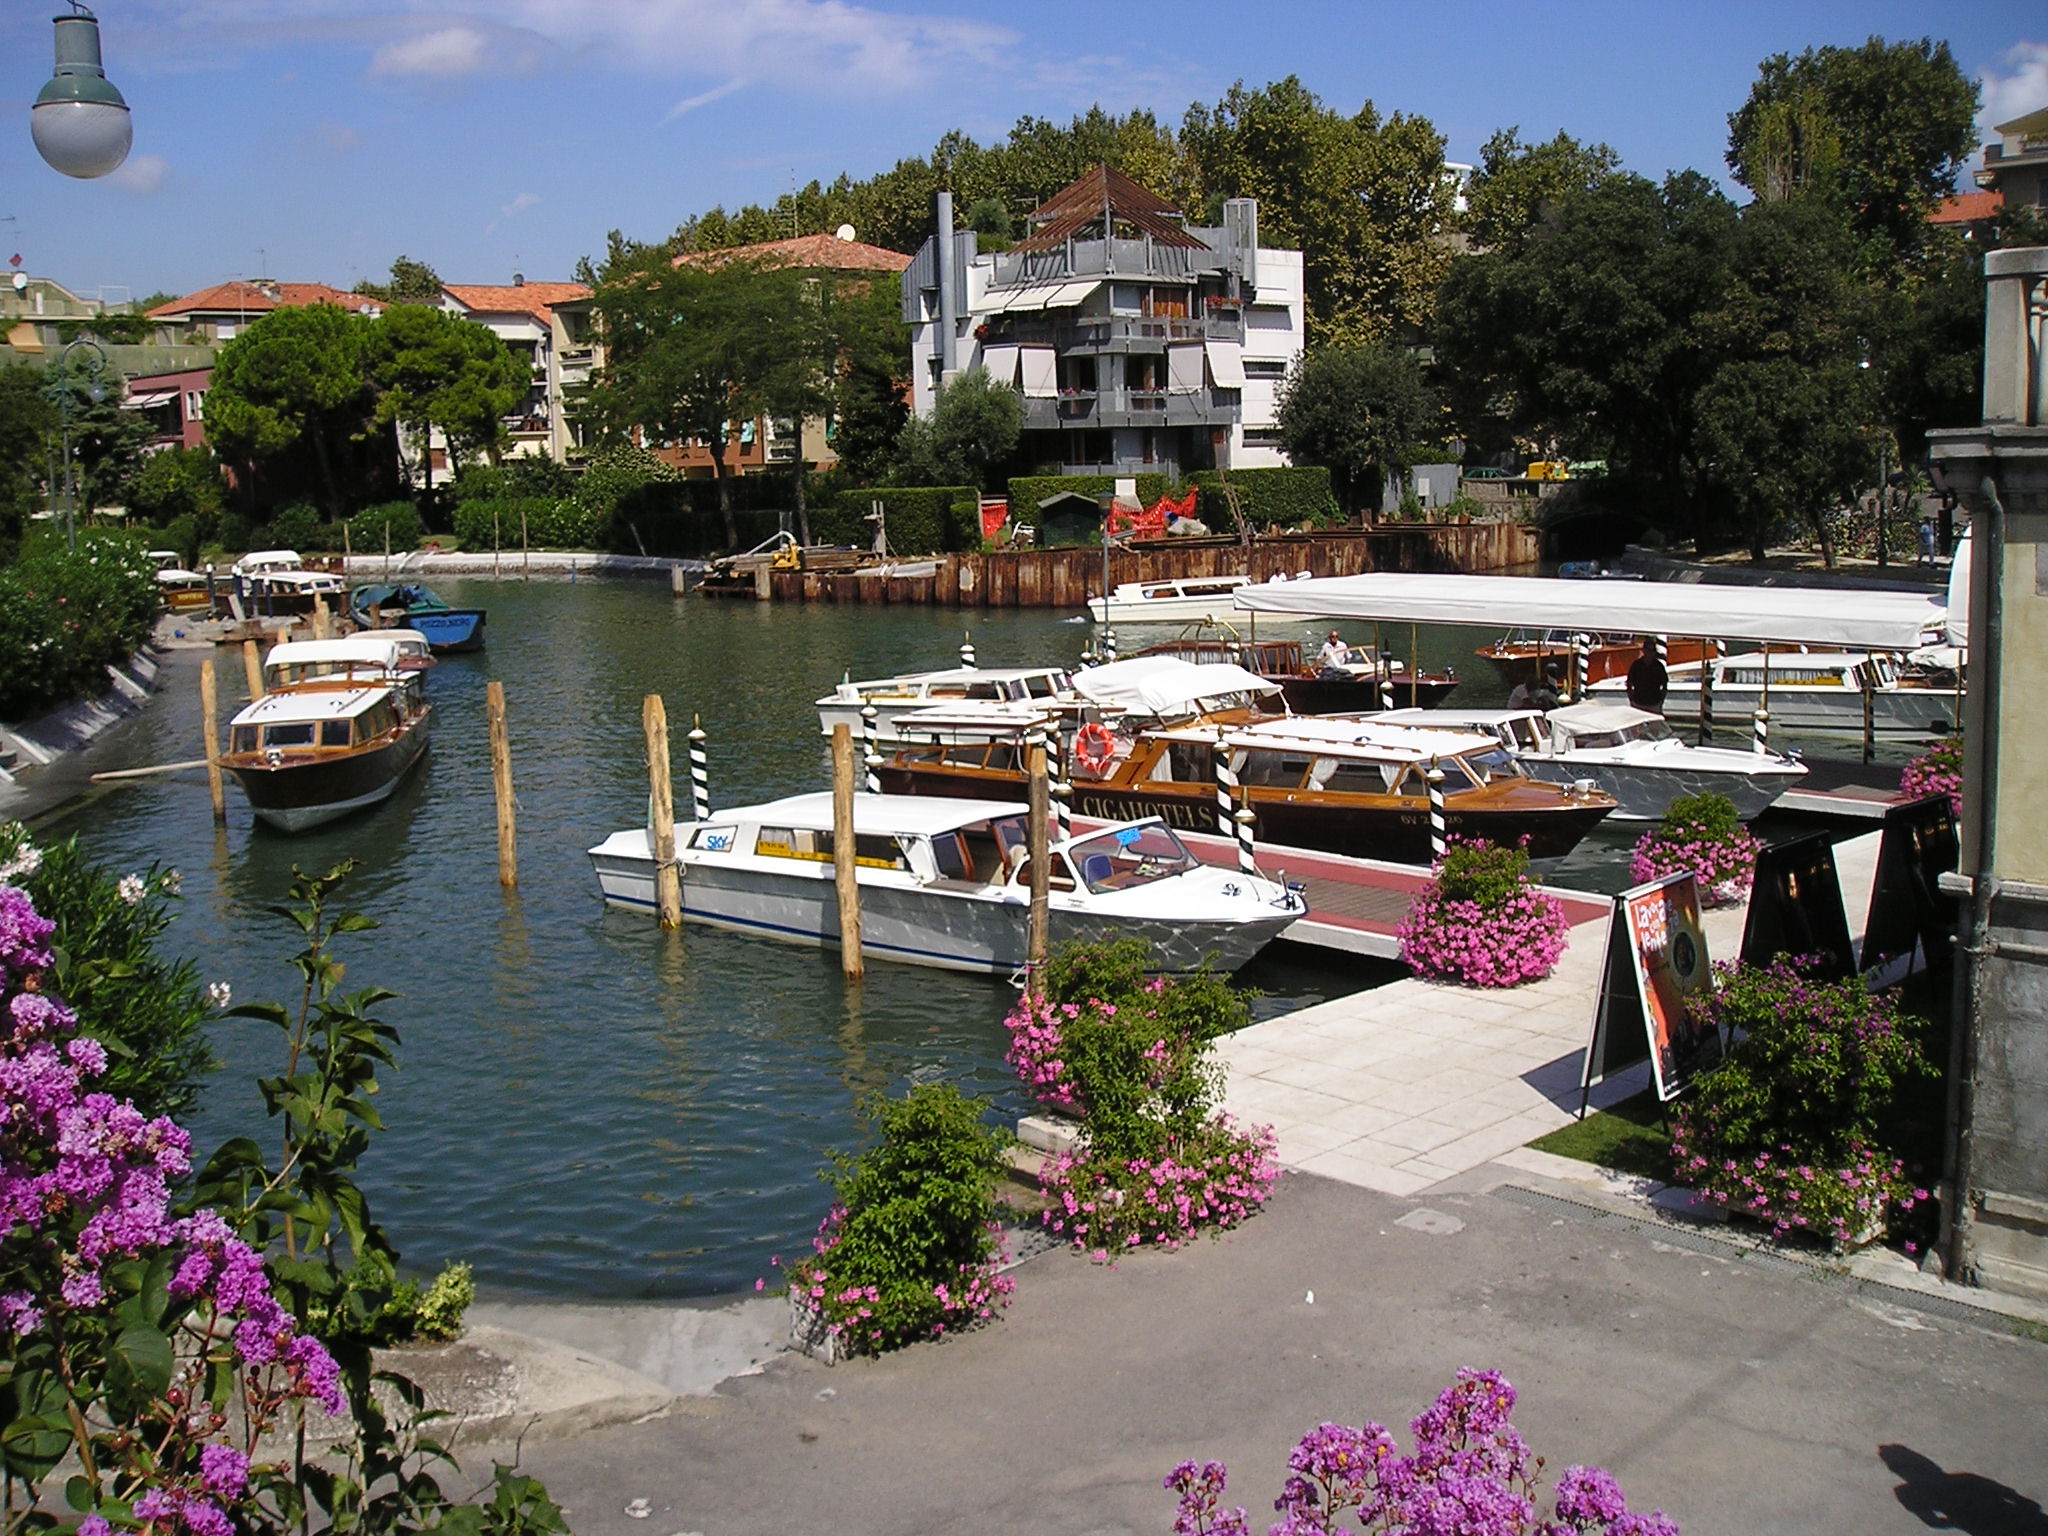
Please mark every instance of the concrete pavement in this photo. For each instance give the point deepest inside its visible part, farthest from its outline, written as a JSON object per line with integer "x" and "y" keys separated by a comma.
{"x": 1737, "y": 1391}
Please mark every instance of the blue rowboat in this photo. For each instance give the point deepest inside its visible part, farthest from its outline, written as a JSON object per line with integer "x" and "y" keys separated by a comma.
{"x": 407, "y": 605}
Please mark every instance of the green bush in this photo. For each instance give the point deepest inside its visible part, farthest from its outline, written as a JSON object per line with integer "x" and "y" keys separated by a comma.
{"x": 1027, "y": 491}
{"x": 296, "y": 527}
{"x": 179, "y": 483}
{"x": 235, "y": 534}
{"x": 65, "y": 616}
{"x": 922, "y": 520}
{"x": 521, "y": 477}
{"x": 1481, "y": 873}
{"x": 486, "y": 525}
{"x": 401, "y": 519}
{"x": 147, "y": 1010}
{"x": 1271, "y": 498}
{"x": 906, "y": 1250}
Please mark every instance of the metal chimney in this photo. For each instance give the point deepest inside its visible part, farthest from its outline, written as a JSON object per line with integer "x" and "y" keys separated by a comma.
{"x": 949, "y": 301}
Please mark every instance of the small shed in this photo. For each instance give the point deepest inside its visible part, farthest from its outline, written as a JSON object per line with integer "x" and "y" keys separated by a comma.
{"x": 1069, "y": 518}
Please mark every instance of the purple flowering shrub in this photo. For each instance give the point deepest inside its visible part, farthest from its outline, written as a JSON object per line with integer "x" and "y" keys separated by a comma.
{"x": 1700, "y": 836}
{"x": 911, "y": 1248}
{"x": 1793, "y": 1127}
{"x": 1480, "y": 923}
{"x": 1937, "y": 771}
{"x": 1130, "y": 1057}
{"x": 1471, "y": 1474}
{"x": 145, "y": 1336}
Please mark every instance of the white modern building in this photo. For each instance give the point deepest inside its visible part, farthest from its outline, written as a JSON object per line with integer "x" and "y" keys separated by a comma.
{"x": 547, "y": 325}
{"x": 1141, "y": 344}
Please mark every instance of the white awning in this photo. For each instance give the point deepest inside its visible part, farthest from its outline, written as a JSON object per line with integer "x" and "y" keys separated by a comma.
{"x": 1184, "y": 368}
{"x": 1886, "y": 621}
{"x": 1069, "y": 294}
{"x": 1037, "y": 296}
{"x": 148, "y": 399}
{"x": 1040, "y": 376}
{"x": 1226, "y": 364}
{"x": 1001, "y": 363}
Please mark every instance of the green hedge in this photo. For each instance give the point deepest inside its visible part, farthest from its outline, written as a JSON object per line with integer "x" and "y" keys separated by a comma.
{"x": 922, "y": 520}
{"x": 1027, "y": 491}
{"x": 550, "y": 524}
{"x": 1271, "y": 498}
{"x": 66, "y": 616}
{"x": 367, "y": 528}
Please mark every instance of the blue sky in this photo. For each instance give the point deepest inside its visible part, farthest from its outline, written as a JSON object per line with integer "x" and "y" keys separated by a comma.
{"x": 317, "y": 139}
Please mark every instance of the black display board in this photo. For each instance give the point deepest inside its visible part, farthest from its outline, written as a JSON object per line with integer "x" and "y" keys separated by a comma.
{"x": 1656, "y": 961}
{"x": 1795, "y": 908}
{"x": 1920, "y": 844}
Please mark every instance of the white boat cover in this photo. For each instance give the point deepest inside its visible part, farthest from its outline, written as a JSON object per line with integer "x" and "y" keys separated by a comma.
{"x": 378, "y": 648}
{"x": 1600, "y": 717}
{"x": 1885, "y": 621}
{"x": 1332, "y": 736}
{"x": 876, "y": 815}
{"x": 1160, "y": 685}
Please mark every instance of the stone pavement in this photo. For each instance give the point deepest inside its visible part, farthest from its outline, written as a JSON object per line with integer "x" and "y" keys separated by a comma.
{"x": 1405, "y": 1085}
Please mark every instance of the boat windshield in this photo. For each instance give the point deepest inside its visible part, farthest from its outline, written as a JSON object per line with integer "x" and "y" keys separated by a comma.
{"x": 1490, "y": 764}
{"x": 1129, "y": 856}
{"x": 1649, "y": 730}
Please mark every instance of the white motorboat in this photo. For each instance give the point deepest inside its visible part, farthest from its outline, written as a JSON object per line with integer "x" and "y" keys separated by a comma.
{"x": 1630, "y": 753}
{"x": 311, "y": 753}
{"x": 1204, "y": 599}
{"x": 1819, "y": 691}
{"x": 372, "y": 656}
{"x": 276, "y": 581}
{"x": 1046, "y": 688}
{"x": 946, "y": 882}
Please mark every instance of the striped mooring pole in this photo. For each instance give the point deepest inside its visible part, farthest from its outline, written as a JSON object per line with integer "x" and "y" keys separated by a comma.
{"x": 967, "y": 650}
{"x": 1226, "y": 790}
{"x": 1660, "y": 647}
{"x": 700, "y": 772}
{"x": 1062, "y": 792}
{"x": 1761, "y": 741}
{"x": 1247, "y": 863}
{"x": 1386, "y": 673}
{"x": 1582, "y": 664}
{"x": 1438, "y": 836}
{"x": 1108, "y": 645}
{"x": 871, "y": 759}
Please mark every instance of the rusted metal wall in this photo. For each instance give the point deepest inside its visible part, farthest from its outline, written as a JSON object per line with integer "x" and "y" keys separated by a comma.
{"x": 1066, "y": 578}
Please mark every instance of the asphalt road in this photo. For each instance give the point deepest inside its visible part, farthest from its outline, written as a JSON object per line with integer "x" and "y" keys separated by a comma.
{"x": 1738, "y": 1396}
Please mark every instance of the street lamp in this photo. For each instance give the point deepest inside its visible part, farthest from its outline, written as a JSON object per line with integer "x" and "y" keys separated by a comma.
{"x": 95, "y": 391}
{"x": 80, "y": 122}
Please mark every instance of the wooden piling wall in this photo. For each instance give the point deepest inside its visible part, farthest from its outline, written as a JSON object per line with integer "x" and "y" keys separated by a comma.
{"x": 1066, "y": 578}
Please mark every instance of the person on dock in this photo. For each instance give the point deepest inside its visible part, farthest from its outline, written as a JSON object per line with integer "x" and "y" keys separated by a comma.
{"x": 1927, "y": 541}
{"x": 1538, "y": 693}
{"x": 1648, "y": 682}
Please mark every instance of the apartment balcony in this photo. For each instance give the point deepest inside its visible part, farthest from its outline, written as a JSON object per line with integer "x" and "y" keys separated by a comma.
{"x": 1128, "y": 407}
{"x": 1113, "y": 333}
{"x": 1108, "y": 258}
{"x": 1127, "y": 468}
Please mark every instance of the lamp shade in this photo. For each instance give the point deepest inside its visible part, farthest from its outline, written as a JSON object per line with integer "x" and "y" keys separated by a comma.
{"x": 80, "y": 122}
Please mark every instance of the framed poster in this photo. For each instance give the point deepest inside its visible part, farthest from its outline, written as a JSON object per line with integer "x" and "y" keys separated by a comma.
{"x": 1656, "y": 961}
{"x": 1795, "y": 908}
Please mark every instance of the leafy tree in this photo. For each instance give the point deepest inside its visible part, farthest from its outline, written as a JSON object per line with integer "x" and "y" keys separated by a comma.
{"x": 974, "y": 425}
{"x": 1518, "y": 189}
{"x": 1364, "y": 198}
{"x": 26, "y": 420}
{"x": 1360, "y": 410}
{"x": 298, "y": 375}
{"x": 412, "y": 282}
{"x": 1878, "y": 132}
{"x": 179, "y": 482}
{"x": 693, "y": 348}
{"x": 108, "y": 442}
{"x": 871, "y": 413}
{"x": 1926, "y": 342}
{"x": 431, "y": 369}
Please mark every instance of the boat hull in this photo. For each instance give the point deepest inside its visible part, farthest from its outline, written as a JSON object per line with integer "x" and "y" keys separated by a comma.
{"x": 1398, "y": 833}
{"x": 1643, "y": 792}
{"x": 986, "y": 933}
{"x": 298, "y": 795}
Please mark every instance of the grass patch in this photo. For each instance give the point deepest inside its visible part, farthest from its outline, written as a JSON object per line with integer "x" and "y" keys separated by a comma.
{"x": 1629, "y": 1138}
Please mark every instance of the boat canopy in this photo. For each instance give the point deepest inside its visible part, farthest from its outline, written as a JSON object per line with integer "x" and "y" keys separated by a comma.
{"x": 973, "y": 718}
{"x": 1328, "y": 736}
{"x": 268, "y": 560}
{"x": 1885, "y": 621}
{"x": 381, "y": 649}
{"x": 1163, "y": 685}
{"x": 1451, "y": 717}
{"x": 319, "y": 704}
{"x": 1581, "y": 719}
{"x": 877, "y": 815}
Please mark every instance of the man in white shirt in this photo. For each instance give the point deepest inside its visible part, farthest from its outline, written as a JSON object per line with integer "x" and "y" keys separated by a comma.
{"x": 1335, "y": 653}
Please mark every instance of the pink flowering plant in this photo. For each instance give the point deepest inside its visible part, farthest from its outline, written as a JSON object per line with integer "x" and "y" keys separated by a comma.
{"x": 912, "y": 1247}
{"x": 1129, "y": 1055}
{"x": 1471, "y": 1473}
{"x": 1700, "y": 836}
{"x": 1937, "y": 771}
{"x": 1480, "y": 922}
{"x": 153, "y": 1333}
{"x": 1797, "y": 1127}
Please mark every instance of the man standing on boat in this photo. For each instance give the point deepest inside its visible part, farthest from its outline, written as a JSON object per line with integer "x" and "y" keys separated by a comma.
{"x": 1334, "y": 654}
{"x": 1648, "y": 681}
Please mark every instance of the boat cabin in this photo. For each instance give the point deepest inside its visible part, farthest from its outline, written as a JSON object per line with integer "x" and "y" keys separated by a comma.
{"x": 260, "y": 562}
{"x": 353, "y": 659}
{"x": 309, "y": 723}
{"x": 1322, "y": 756}
{"x": 1519, "y": 730}
{"x": 991, "y": 684}
{"x": 1587, "y": 727}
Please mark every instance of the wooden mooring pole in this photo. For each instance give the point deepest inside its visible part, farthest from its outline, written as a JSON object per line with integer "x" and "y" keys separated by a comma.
{"x": 252, "y": 668}
{"x": 501, "y": 782}
{"x": 1038, "y": 844}
{"x": 661, "y": 831}
{"x": 210, "y": 716}
{"x": 320, "y": 622}
{"x": 844, "y": 850}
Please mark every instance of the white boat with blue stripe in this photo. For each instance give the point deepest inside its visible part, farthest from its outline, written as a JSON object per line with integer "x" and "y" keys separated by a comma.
{"x": 946, "y": 882}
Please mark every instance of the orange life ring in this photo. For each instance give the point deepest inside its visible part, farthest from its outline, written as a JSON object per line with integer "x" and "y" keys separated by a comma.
{"x": 1093, "y": 745}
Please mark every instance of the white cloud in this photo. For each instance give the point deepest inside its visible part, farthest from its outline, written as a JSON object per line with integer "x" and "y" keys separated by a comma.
{"x": 704, "y": 98}
{"x": 520, "y": 204}
{"x": 142, "y": 174}
{"x": 2021, "y": 87}
{"x": 444, "y": 53}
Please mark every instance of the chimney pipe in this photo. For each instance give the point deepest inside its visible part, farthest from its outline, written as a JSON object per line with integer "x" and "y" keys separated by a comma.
{"x": 949, "y": 301}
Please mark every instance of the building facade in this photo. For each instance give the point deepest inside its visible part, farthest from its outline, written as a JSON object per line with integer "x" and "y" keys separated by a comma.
{"x": 2016, "y": 167}
{"x": 546, "y": 326}
{"x": 1141, "y": 344}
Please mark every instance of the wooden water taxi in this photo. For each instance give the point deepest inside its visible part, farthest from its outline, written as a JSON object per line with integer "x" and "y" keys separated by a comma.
{"x": 339, "y": 738}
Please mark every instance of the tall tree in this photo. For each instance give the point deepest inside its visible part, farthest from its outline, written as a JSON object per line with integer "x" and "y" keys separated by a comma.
{"x": 1518, "y": 190}
{"x": 1364, "y": 198}
{"x": 1359, "y": 410}
{"x": 692, "y": 349}
{"x": 411, "y": 282}
{"x": 298, "y": 375}
{"x": 26, "y": 420}
{"x": 1879, "y": 132}
{"x": 431, "y": 369}
{"x": 974, "y": 425}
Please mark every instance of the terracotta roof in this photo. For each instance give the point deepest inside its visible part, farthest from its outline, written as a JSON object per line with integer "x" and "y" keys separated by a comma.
{"x": 1967, "y": 208}
{"x": 535, "y": 299}
{"x": 827, "y": 253}
{"x": 245, "y": 298}
{"x": 1074, "y": 208}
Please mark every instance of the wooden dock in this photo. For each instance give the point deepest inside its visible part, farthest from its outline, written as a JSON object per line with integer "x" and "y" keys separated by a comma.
{"x": 1862, "y": 791}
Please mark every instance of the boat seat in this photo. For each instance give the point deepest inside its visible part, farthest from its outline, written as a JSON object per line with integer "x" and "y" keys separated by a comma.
{"x": 1096, "y": 868}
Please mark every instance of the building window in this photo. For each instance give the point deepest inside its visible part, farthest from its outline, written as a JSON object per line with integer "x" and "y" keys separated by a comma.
{"x": 1262, "y": 437}
{"x": 195, "y": 405}
{"x": 1264, "y": 368}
